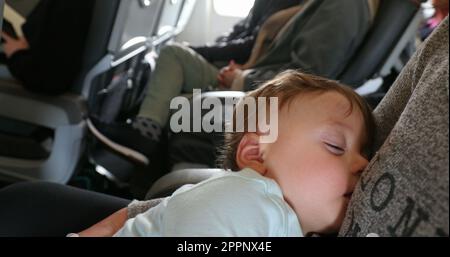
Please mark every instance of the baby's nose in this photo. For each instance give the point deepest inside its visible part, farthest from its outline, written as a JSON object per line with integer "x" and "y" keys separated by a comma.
{"x": 359, "y": 164}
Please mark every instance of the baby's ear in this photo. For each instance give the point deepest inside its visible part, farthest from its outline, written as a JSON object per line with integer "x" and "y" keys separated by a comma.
{"x": 249, "y": 154}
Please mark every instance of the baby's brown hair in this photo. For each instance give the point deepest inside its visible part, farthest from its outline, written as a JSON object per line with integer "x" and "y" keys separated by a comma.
{"x": 287, "y": 86}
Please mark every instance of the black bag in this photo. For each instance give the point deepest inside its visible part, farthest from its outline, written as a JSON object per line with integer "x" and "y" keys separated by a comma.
{"x": 111, "y": 98}
{"x": 123, "y": 95}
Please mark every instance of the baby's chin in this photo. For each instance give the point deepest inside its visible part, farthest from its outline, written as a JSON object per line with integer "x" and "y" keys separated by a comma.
{"x": 329, "y": 228}
{"x": 328, "y": 231}
{"x": 332, "y": 218}
{"x": 335, "y": 221}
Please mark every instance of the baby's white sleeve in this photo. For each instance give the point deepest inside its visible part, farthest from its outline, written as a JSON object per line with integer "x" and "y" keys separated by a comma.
{"x": 223, "y": 207}
{"x": 148, "y": 223}
{"x": 228, "y": 206}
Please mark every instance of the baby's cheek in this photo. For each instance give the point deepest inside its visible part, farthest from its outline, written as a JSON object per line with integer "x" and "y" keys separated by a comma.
{"x": 331, "y": 178}
{"x": 285, "y": 160}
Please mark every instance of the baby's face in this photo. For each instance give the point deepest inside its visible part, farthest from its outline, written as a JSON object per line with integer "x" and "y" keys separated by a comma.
{"x": 317, "y": 158}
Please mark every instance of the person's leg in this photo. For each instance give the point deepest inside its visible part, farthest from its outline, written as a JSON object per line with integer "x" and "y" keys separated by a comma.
{"x": 47, "y": 209}
{"x": 179, "y": 69}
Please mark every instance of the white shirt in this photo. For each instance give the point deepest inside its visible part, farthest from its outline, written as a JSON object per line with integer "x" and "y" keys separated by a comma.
{"x": 243, "y": 204}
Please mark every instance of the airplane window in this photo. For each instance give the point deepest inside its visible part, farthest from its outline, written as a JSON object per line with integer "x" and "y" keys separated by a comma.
{"x": 235, "y": 8}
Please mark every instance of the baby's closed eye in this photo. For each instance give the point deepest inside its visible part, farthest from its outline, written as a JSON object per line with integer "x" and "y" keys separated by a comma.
{"x": 334, "y": 141}
{"x": 334, "y": 148}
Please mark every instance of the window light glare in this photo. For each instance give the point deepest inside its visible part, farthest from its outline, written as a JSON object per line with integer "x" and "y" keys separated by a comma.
{"x": 235, "y": 8}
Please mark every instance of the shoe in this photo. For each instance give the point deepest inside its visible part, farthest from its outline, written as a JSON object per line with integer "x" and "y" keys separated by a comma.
{"x": 123, "y": 139}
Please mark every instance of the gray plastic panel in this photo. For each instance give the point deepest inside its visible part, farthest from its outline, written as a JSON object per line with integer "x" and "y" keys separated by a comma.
{"x": 135, "y": 18}
{"x": 185, "y": 15}
{"x": 48, "y": 111}
{"x": 59, "y": 167}
{"x": 169, "y": 17}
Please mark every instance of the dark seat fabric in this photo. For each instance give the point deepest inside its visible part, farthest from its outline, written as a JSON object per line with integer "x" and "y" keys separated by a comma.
{"x": 100, "y": 30}
{"x": 393, "y": 17}
{"x": 18, "y": 147}
{"x": 56, "y": 32}
{"x": 41, "y": 209}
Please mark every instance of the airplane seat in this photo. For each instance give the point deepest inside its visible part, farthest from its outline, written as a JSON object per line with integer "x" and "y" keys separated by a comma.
{"x": 171, "y": 19}
{"x": 394, "y": 27}
{"x": 389, "y": 45}
{"x": 120, "y": 35}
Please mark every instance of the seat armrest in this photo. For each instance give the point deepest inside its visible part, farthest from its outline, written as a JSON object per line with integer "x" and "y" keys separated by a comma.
{"x": 224, "y": 94}
{"x": 167, "y": 184}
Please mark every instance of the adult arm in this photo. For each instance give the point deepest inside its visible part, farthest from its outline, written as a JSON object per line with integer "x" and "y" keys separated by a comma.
{"x": 237, "y": 49}
{"x": 109, "y": 226}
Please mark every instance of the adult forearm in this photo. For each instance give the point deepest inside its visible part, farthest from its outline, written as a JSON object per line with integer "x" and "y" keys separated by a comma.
{"x": 107, "y": 227}
{"x": 238, "y": 50}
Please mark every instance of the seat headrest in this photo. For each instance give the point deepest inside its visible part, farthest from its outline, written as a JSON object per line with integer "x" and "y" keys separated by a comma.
{"x": 393, "y": 17}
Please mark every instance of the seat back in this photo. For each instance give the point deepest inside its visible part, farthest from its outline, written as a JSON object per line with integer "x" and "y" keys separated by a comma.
{"x": 171, "y": 19}
{"x": 395, "y": 24}
{"x": 120, "y": 30}
{"x": 103, "y": 18}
